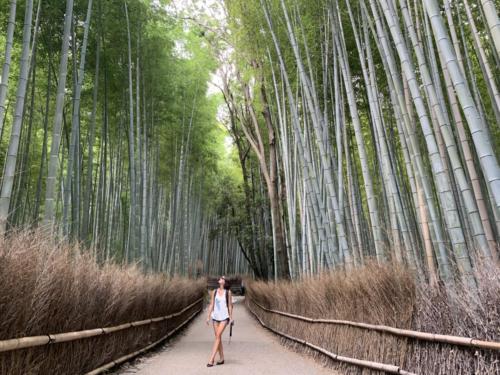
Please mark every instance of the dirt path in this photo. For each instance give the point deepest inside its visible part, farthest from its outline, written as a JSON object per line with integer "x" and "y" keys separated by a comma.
{"x": 253, "y": 350}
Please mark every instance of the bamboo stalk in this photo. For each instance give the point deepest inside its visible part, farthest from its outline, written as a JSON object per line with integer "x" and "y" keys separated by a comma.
{"x": 29, "y": 342}
{"x": 434, "y": 337}
{"x": 392, "y": 369}
{"x": 127, "y": 357}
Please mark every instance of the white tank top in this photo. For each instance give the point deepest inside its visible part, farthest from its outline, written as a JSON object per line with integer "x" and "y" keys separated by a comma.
{"x": 220, "y": 307}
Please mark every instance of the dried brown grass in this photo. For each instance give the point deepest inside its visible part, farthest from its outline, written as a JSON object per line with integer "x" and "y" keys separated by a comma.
{"x": 388, "y": 295}
{"x": 48, "y": 287}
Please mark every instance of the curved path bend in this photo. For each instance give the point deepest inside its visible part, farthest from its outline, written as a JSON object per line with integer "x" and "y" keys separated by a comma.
{"x": 253, "y": 350}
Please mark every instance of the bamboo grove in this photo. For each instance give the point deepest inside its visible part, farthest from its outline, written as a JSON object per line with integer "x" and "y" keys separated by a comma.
{"x": 360, "y": 130}
{"x": 374, "y": 125}
{"x": 108, "y": 136}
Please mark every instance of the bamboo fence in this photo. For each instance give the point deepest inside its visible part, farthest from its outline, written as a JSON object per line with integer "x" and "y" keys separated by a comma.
{"x": 391, "y": 369}
{"x": 32, "y": 341}
{"x": 128, "y": 357}
{"x": 424, "y": 336}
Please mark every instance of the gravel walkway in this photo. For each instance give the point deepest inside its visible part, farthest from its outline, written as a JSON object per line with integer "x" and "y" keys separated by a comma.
{"x": 253, "y": 350}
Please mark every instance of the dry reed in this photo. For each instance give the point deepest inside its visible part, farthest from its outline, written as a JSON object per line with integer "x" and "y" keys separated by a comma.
{"x": 48, "y": 287}
{"x": 387, "y": 295}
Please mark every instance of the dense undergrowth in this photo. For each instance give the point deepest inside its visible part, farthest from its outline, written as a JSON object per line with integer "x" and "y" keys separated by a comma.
{"x": 388, "y": 295}
{"x": 48, "y": 287}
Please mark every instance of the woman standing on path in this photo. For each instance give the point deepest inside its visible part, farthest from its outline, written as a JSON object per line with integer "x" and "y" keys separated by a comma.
{"x": 221, "y": 312}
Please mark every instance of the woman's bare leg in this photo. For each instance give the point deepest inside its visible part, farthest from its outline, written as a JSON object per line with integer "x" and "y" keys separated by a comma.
{"x": 218, "y": 340}
{"x": 221, "y": 353}
{"x": 216, "y": 326}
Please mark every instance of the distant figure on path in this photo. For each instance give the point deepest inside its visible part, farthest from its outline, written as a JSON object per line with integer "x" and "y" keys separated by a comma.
{"x": 221, "y": 312}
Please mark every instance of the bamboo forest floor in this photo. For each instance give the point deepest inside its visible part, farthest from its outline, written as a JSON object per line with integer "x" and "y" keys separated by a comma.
{"x": 253, "y": 350}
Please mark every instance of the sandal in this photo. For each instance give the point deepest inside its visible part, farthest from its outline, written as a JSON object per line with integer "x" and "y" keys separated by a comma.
{"x": 220, "y": 362}
{"x": 210, "y": 364}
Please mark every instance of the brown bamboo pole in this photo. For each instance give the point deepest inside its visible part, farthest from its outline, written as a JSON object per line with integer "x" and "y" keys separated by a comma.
{"x": 391, "y": 369}
{"x": 127, "y": 357}
{"x": 29, "y": 342}
{"x": 433, "y": 337}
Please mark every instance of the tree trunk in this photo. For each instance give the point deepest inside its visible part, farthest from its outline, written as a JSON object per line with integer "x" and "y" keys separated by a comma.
{"x": 4, "y": 84}
{"x": 50, "y": 192}
{"x": 10, "y": 164}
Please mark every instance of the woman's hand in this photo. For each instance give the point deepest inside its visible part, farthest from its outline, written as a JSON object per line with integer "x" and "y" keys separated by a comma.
{"x": 207, "y": 321}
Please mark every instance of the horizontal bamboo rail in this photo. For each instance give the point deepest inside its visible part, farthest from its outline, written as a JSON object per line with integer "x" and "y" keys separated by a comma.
{"x": 32, "y": 341}
{"x": 391, "y": 369}
{"x": 425, "y": 336}
{"x": 128, "y": 357}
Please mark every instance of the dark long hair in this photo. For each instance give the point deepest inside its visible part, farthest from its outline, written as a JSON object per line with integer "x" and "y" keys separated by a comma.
{"x": 227, "y": 283}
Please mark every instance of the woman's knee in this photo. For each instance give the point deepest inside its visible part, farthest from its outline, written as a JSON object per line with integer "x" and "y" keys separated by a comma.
{"x": 219, "y": 333}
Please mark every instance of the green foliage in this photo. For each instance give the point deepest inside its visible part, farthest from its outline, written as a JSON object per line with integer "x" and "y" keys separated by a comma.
{"x": 175, "y": 65}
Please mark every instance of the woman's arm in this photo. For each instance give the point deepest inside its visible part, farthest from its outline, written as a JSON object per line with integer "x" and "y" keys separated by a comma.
{"x": 211, "y": 306}
{"x": 230, "y": 296}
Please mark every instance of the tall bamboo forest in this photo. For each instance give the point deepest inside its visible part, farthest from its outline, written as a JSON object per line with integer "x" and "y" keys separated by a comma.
{"x": 332, "y": 164}
{"x": 280, "y": 138}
